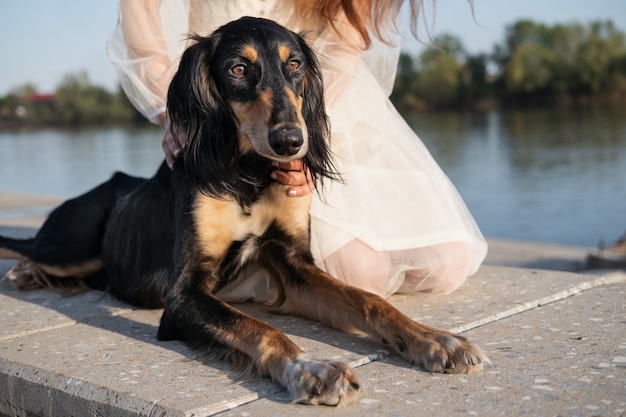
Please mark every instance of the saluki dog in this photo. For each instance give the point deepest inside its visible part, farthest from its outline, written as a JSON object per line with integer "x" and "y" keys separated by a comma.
{"x": 246, "y": 97}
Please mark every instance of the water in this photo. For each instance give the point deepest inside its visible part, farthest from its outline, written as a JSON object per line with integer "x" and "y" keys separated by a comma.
{"x": 555, "y": 176}
{"x": 68, "y": 162}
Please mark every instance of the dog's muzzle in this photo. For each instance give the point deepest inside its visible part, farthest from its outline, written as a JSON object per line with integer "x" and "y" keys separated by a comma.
{"x": 286, "y": 141}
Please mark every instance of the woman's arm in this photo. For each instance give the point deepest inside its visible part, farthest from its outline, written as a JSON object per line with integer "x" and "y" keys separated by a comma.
{"x": 146, "y": 45}
{"x": 138, "y": 49}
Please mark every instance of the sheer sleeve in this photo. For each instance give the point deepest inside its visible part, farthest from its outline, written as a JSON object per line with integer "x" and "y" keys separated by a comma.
{"x": 341, "y": 55}
{"x": 382, "y": 60}
{"x": 340, "y": 52}
{"x": 144, "y": 48}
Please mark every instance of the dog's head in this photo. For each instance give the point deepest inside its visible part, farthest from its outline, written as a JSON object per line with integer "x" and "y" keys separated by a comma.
{"x": 249, "y": 94}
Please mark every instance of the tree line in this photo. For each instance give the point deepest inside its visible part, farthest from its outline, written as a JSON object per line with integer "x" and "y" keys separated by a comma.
{"x": 534, "y": 64}
{"x": 75, "y": 102}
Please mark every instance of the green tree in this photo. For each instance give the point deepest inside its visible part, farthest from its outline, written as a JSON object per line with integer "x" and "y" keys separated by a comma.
{"x": 75, "y": 102}
{"x": 404, "y": 90}
{"x": 474, "y": 79}
{"x": 602, "y": 47}
{"x": 524, "y": 60}
{"x": 564, "y": 59}
{"x": 529, "y": 69}
{"x": 564, "y": 41}
{"x": 439, "y": 71}
{"x": 21, "y": 101}
{"x": 523, "y": 32}
{"x": 78, "y": 102}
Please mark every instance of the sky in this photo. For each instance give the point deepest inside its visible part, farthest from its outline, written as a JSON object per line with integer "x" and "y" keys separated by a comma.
{"x": 41, "y": 41}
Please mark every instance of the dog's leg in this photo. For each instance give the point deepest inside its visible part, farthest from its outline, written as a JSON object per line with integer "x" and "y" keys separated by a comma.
{"x": 313, "y": 293}
{"x": 206, "y": 323}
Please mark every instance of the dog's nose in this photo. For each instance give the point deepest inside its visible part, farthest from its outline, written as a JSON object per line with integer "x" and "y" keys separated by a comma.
{"x": 286, "y": 141}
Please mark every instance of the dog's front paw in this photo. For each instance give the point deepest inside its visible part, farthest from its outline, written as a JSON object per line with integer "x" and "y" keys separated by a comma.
{"x": 321, "y": 382}
{"x": 441, "y": 351}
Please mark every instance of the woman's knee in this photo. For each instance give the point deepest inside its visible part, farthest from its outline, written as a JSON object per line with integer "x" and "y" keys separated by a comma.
{"x": 359, "y": 265}
{"x": 439, "y": 269}
{"x": 444, "y": 268}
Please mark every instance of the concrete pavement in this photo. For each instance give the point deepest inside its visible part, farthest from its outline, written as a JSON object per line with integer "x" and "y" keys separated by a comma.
{"x": 556, "y": 339}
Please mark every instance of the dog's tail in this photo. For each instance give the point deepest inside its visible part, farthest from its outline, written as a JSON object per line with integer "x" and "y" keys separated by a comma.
{"x": 19, "y": 249}
{"x": 29, "y": 275}
{"x": 23, "y": 275}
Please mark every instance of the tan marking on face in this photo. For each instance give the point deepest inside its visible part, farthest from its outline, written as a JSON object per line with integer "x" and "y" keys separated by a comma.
{"x": 284, "y": 52}
{"x": 250, "y": 53}
{"x": 245, "y": 144}
{"x": 296, "y": 101}
{"x": 253, "y": 118}
{"x": 304, "y": 86}
{"x": 265, "y": 98}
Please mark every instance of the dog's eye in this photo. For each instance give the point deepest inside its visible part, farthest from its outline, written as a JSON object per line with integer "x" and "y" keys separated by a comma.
{"x": 239, "y": 70}
{"x": 293, "y": 65}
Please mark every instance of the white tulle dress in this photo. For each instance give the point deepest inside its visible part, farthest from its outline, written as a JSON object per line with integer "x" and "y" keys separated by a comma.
{"x": 397, "y": 224}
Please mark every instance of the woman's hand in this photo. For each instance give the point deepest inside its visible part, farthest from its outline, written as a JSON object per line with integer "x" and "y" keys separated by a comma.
{"x": 292, "y": 173}
{"x": 296, "y": 175}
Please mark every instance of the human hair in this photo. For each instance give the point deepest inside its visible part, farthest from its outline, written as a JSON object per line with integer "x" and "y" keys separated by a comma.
{"x": 365, "y": 16}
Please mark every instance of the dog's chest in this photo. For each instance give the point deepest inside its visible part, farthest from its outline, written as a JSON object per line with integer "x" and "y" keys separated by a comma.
{"x": 218, "y": 223}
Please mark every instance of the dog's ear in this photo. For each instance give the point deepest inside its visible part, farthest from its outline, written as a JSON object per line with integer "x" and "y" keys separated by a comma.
{"x": 318, "y": 158}
{"x": 198, "y": 112}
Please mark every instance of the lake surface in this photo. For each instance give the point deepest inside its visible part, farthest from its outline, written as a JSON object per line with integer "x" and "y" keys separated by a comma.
{"x": 555, "y": 175}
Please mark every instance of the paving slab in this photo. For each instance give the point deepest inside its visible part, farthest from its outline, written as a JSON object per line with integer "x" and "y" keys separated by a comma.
{"x": 119, "y": 359}
{"x": 567, "y": 358}
{"x": 29, "y": 312}
{"x": 112, "y": 352}
{"x": 492, "y": 291}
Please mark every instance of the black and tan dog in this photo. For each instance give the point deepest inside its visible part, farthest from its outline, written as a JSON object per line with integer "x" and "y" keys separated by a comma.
{"x": 248, "y": 96}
